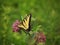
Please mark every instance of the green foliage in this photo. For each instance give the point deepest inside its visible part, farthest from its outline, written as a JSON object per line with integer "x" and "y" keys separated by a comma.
{"x": 45, "y": 13}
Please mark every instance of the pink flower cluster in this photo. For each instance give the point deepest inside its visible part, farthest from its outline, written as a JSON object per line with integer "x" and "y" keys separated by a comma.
{"x": 40, "y": 37}
{"x": 15, "y": 26}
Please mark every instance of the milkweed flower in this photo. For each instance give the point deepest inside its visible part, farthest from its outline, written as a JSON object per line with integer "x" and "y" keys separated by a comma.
{"x": 15, "y": 26}
{"x": 40, "y": 37}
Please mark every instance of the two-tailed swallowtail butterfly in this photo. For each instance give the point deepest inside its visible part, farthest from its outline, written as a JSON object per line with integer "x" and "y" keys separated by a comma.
{"x": 25, "y": 24}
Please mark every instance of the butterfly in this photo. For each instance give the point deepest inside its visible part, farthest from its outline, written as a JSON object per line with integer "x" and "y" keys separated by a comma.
{"x": 26, "y": 23}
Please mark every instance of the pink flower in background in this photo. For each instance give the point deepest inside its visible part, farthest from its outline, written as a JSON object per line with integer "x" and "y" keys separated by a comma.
{"x": 40, "y": 37}
{"x": 15, "y": 26}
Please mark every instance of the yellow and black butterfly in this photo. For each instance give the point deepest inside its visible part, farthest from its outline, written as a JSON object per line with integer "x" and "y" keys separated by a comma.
{"x": 25, "y": 24}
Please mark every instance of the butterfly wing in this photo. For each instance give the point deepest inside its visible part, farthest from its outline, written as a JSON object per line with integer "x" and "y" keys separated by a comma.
{"x": 25, "y": 24}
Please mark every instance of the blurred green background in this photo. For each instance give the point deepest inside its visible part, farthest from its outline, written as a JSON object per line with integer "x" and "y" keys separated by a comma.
{"x": 45, "y": 13}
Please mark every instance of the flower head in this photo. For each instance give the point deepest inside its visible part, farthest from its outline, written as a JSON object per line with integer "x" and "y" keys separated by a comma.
{"x": 40, "y": 37}
{"x": 15, "y": 26}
